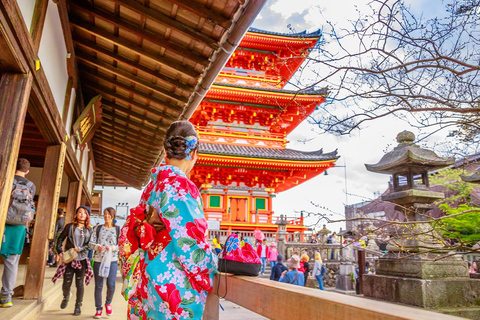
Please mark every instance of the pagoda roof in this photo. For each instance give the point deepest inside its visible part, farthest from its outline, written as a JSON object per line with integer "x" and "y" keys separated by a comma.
{"x": 266, "y": 153}
{"x": 305, "y": 92}
{"x": 303, "y": 34}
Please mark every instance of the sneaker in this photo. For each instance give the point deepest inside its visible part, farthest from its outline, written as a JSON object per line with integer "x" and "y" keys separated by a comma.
{"x": 65, "y": 301}
{"x": 4, "y": 304}
{"x": 108, "y": 309}
{"x": 98, "y": 315}
{"x": 77, "y": 311}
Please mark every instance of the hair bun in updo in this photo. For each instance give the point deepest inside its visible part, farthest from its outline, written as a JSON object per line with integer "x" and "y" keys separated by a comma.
{"x": 176, "y": 144}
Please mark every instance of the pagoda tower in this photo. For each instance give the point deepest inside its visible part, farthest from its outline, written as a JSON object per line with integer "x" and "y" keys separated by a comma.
{"x": 243, "y": 123}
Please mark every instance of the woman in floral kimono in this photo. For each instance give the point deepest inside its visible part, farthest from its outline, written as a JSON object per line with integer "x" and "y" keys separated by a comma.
{"x": 167, "y": 264}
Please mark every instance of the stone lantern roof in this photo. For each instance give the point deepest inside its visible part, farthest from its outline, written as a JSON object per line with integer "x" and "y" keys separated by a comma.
{"x": 474, "y": 178}
{"x": 324, "y": 231}
{"x": 406, "y": 154}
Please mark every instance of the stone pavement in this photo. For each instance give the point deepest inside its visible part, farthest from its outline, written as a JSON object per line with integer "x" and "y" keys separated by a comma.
{"x": 230, "y": 310}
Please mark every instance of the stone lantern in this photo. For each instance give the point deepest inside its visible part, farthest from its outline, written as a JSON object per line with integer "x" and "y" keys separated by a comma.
{"x": 281, "y": 234}
{"x": 419, "y": 279}
{"x": 409, "y": 166}
{"x": 323, "y": 235}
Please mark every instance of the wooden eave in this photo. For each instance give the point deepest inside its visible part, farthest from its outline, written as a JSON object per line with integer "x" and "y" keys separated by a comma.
{"x": 150, "y": 61}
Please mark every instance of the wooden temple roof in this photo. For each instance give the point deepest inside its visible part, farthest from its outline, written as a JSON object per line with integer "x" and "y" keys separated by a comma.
{"x": 279, "y": 109}
{"x": 152, "y": 62}
{"x": 270, "y": 57}
{"x": 265, "y": 153}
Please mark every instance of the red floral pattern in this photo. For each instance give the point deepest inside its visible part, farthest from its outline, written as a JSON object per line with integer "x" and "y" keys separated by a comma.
{"x": 171, "y": 296}
{"x": 197, "y": 230}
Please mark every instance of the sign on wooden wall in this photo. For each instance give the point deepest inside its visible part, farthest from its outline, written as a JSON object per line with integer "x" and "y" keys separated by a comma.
{"x": 57, "y": 190}
{"x": 90, "y": 119}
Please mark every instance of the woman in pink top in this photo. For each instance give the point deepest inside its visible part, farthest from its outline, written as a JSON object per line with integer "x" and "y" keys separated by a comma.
{"x": 272, "y": 255}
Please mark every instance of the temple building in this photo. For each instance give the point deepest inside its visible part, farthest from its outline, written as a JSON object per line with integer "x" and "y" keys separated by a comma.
{"x": 243, "y": 123}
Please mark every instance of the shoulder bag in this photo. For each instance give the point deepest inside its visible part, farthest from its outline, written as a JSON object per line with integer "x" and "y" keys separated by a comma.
{"x": 70, "y": 254}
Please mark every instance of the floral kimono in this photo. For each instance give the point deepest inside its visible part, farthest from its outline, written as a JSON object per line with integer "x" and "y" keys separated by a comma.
{"x": 167, "y": 274}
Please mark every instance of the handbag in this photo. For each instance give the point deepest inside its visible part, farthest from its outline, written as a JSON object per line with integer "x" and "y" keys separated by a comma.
{"x": 241, "y": 261}
{"x": 71, "y": 254}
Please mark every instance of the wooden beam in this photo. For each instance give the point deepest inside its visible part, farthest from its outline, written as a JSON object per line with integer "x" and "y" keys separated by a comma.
{"x": 126, "y": 144}
{"x": 88, "y": 73}
{"x": 67, "y": 100}
{"x": 121, "y": 153}
{"x": 168, "y": 22}
{"x": 120, "y": 176}
{"x": 158, "y": 123}
{"x": 204, "y": 12}
{"x": 46, "y": 212}
{"x": 115, "y": 56}
{"x": 14, "y": 94}
{"x": 106, "y": 92}
{"x": 134, "y": 174}
{"x": 170, "y": 95}
{"x": 184, "y": 52}
{"x": 73, "y": 200}
{"x": 157, "y": 131}
{"x": 38, "y": 21}
{"x": 134, "y": 48}
{"x": 107, "y": 133}
{"x": 67, "y": 35}
{"x": 132, "y": 133}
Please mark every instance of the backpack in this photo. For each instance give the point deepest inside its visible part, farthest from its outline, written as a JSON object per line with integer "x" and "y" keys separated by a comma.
{"x": 323, "y": 270}
{"x": 117, "y": 230}
{"x": 20, "y": 212}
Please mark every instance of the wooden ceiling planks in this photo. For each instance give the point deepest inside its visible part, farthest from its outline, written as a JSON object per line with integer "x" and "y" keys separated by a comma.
{"x": 147, "y": 60}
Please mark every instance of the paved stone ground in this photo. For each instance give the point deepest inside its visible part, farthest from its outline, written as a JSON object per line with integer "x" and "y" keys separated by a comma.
{"x": 230, "y": 310}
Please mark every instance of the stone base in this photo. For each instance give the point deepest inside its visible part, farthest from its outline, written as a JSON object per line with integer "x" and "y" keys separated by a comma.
{"x": 469, "y": 313}
{"x": 422, "y": 269}
{"x": 433, "y": 294}
{"x": 343, "y": 282}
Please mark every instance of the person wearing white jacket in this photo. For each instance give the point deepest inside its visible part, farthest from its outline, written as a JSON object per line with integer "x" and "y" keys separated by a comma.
{"x": 104, "y": 239}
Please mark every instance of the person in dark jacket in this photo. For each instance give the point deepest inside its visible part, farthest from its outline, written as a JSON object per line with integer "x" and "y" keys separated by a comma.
{"x": 278, "y": 269}
{"x": 77, "y": 235}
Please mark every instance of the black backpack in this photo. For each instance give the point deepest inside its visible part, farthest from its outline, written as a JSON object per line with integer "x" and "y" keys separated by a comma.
{"x": 21, "y": 209}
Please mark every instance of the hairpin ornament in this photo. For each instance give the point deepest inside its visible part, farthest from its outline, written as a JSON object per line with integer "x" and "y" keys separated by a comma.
{"x": 191, "y": 142}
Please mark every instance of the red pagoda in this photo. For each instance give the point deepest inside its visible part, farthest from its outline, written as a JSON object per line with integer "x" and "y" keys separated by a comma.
{"x": 243, "y": 122}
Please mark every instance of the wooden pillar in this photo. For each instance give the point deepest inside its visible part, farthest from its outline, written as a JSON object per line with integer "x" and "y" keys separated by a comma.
{"x": 46, "y": 211}
{"x": 212, "y": 306}
{"x": 361, "y": 268}
{"x": 14, "y": 94}
{"x": 74, "y": 198}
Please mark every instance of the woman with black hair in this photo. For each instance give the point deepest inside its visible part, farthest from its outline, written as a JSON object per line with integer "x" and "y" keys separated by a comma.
{"x": 77, "y": 235}
{"x": 104, "y": 239}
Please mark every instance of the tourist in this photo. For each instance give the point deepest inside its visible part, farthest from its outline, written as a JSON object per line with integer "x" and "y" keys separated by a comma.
{"x": 293, "y": 276}
{"x": 216, "y": 244}
{"x": 59, "y": 225}
{"x": 77, "y": 235}
{"x": 319, "y": 270}
{"x": 278, "y": 269}
{"x": 104, "y": 239}
{"x": 262, "y": 251}
{"x": 334, "y": 240}
{"x": 305, "y": 267}
{"x": 23, "y": 191}
{"x": 472, "y": 267}
{"x": 272, "y": 254}
{"x": 167, "y": 263}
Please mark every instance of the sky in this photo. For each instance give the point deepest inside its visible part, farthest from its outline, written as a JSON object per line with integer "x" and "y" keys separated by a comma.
{"x": 349, "y": 182}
